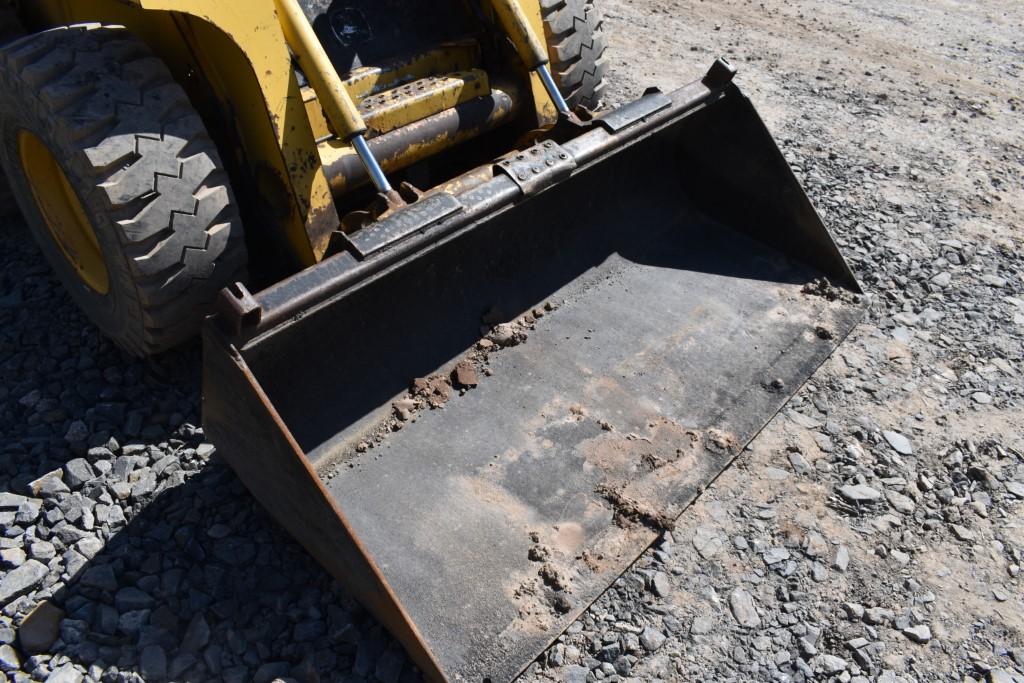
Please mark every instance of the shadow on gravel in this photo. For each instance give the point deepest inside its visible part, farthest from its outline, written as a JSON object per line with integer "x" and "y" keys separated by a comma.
{"x": 165, "y": 567}
{"x": 201, "y": 586}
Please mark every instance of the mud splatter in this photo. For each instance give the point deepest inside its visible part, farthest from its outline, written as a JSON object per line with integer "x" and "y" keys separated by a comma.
{"x": 435, "y": 391}
{"x": 629, "y": 511}
{"x": 823, "y": 288}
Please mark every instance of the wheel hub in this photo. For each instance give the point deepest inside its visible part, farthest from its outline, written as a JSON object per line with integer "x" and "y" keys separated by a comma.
{"x": 62, "y": 212}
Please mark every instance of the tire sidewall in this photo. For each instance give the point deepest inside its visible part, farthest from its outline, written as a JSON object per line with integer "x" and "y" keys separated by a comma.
{"x": 116, "y": 310}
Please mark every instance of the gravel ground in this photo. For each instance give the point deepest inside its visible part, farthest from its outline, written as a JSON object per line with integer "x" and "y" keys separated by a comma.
{"x": 873, "y": 531}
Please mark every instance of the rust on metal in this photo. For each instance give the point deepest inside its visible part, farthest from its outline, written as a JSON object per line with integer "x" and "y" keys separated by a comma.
{"x": 274, "y": 468}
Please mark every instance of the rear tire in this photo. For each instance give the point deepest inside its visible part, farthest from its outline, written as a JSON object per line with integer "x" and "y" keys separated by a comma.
{"x": 576, "y": 45}
{"x": 145, "y": 173}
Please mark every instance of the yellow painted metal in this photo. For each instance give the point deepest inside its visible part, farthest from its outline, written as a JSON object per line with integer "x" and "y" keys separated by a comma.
{"x": 62, "y": 212}
{"x": 546, "y": 111}
{"x": 335, "y": 153}
{"x": 515, "y": 20}
{"x": 368, "y": 80}
{"x": 239, "y": 49}
{"x": 317, "y": 121}
{"x": 421, "y": 98}
{"x": 338, "y": 106}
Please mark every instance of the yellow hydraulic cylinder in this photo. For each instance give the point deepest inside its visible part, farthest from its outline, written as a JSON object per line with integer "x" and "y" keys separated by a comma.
{"x": 529, "y": 46}
{"x": 338, "y": 106}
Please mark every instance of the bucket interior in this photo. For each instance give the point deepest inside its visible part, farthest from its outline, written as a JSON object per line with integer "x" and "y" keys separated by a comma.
{"x": 675, "y": 271}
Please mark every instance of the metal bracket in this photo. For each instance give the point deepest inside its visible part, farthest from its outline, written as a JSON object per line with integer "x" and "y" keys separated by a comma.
{"x": 720, "y": 74}
{"x": 652, "y": 102}
{"x": 238, "y": 308}
{"x": 404, "y": 222}
{"x": 537, "y": 167}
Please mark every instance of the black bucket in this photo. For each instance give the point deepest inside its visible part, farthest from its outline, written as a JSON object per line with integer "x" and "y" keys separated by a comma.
{"x": 668, "y": 288}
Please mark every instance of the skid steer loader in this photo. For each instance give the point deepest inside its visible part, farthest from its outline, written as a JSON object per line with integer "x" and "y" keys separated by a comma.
{"x": 474, "y": 343}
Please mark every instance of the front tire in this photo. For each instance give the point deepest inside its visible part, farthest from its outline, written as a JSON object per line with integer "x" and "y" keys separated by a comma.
{"x": 119, "y": 182}
{"x": 574, "y": 30}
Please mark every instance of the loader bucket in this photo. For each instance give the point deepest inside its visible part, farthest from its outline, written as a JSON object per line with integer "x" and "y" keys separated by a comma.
{"x": 669, "y": 286}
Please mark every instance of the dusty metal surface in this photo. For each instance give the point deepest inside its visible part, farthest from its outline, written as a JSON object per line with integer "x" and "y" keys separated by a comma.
{"x": 676, "y": 254}
{"x": 684, "y": 365}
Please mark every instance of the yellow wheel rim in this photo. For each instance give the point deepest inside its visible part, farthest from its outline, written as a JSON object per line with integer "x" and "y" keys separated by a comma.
{"x": 63, "y": 213}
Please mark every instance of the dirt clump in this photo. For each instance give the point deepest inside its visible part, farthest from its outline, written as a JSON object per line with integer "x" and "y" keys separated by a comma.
{"x": 435, "y": 390}
{"x": 539, "y": 553}
{"x": 553, "y": 578}
{"x": 464, "y": 375}
{"x": 628, "y": 511}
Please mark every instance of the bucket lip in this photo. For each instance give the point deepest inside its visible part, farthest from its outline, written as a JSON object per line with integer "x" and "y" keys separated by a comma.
{"x": 302, "y": 292}
{"x": 245, "y": 319}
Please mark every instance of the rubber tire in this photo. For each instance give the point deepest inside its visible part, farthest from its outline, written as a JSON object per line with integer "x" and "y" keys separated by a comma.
{"x": 574, "y": 30}
{"x": 145, "y": 170}
{"x": 8, "y": 207}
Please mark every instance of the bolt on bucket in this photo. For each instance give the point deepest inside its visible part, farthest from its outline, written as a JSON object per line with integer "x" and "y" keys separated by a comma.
{"x": 479, "y": 415}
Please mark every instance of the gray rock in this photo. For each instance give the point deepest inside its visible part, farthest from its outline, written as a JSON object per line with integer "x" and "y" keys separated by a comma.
{"x": 389, "y": 666}
{"x": 130, "y": 623}
{"x": 799, "y": 463}
{"x": 22, "y": 580}
{"x": 49, "y": 485}
{"x": 197, "y": 635}
{"x": 1016, "y": 488}
{"x": 859, "y": 493}
{"x": 77, "y": 472}
{"x": 40, "y": 628}
{"x": 828, "y": 664}
{"x": 815, "y": 545}
{"x": 575, "y": 674}
{"x": 271, "y": 670}
{"x": 90, "y": 546}
{"x": 707, "y": 542}
{"x": 100, "y": 576}
{"x": 962, "y": 533}
{"x": 702, "y": 625}
{"x": 144, "y": 483}
{"x": 652, "y": 639}
{"x": 899, "y": 443}
{"x": 918, "y": 634}
{"x": 12, "y": 557}
{"x": 901, "y": 503}
{"x": 743, "y": 609}
{"x": 131, "y": 598}
{"x": 28, "y": 512}
{"x": 65, "y": 674}
{"x": 775, "y": 555}
{"x": 180, "y": 664}
{"x": 11, "y": 501}
{"x": 842, "y": 560}
{"x": 9, "y": 658}
{"x": 661, "y": 585}
{"x": 306, "y": 631}
{"x": 77, "y": 432}
{"x": 153, "y": 663}
{"x": 878, "y": 615}
{"x": 1004, "y": 676}
{"x": 219, "y": 531}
